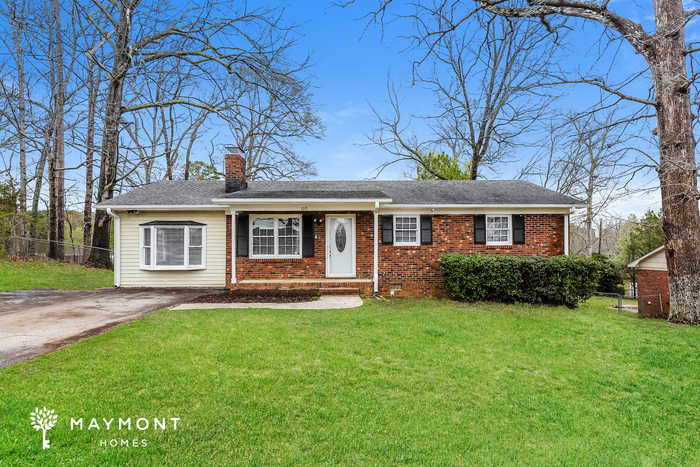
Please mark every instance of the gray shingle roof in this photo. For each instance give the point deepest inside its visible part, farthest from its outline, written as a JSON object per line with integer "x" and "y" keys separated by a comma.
{"x": 427, "y": 192}
{"x": 170, "y": 193}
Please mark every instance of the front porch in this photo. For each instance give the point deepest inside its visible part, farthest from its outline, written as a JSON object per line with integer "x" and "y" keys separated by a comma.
{"x": 334, "y": 251}
{"x": 362, "y": 287}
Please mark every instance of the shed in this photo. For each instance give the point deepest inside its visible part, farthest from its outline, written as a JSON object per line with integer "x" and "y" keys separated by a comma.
{"x": 652, "y": 280}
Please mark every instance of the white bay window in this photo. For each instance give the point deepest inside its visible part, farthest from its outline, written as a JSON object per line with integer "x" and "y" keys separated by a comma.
{"x": 173, "y": 245}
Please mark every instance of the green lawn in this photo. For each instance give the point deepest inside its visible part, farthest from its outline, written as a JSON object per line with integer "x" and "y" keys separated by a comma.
{"x": 51, "y": 275}
{"x": 400, "y": 382}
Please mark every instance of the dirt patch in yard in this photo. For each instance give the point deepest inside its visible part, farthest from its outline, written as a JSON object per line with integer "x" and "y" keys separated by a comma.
{"x": 259, "y": 296}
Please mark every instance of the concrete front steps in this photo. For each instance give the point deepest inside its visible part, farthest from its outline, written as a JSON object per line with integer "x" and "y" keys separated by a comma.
{"x": 327, "y": 287}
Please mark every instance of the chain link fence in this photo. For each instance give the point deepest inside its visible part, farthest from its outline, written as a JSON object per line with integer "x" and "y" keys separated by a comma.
{"x": 38, "y": 248}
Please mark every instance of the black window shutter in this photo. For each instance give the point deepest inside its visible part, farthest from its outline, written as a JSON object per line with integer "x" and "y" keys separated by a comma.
{"x": 387, "y": 230}
{"x": 242, "y": 228}
{"x": 426, "y": 230}
{"x": 480, "y": 229}
{"x": 307, "y": 236}
{"x": 518, "y": 229}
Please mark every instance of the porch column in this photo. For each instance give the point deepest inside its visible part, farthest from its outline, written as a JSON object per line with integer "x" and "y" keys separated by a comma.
{"x": 376, "y": 249}
{"x": 566, "y": 234}
{"x": 233, "y": 246}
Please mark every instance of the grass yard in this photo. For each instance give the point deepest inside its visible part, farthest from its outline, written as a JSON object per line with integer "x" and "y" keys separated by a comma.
{"x": 401, "y": 382}
{"x": 51, "y": 275}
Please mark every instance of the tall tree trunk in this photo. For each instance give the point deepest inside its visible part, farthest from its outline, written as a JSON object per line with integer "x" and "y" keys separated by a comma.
{"x": 39, "y": 175}
{"x": 93, "y": 87}
{"x": 110, "y": 139}
{"x": 52, "y": 208}
{"x": 18, "y": 22}
{"x": 677, "y": 172}
{"x": 589, "y": 212}
{"x": 59, "y": 149}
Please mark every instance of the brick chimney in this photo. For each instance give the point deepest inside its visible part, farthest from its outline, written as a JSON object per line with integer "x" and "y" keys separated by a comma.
{"x": 235, "y": 169}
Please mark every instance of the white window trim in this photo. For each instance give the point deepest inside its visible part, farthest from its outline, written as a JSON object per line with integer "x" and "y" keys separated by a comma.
{"x": 276, "y": 236}
{"x": 510, "y": 229}
{"x": 418, "y": 230}
{"x": 186, "y": 266}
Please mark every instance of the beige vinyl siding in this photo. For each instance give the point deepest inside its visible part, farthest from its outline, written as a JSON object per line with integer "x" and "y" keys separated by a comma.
{"x": 213, "y": 276}
{"x": 656, "y": 262}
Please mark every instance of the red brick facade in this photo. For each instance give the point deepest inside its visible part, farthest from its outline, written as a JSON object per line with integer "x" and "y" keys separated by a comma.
{"x": 652, "y": 283}
{"x": 416, "y": 270}
{"x": 235, "y": 166}
{"x": 409, "y": 270}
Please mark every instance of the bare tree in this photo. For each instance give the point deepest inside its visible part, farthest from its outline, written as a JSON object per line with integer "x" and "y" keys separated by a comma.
{"x": 267, "y": 127}
{"x": 486, "y": 94}
{"x": 18, "y": 20}
{"x": 58, "y": 160}
{"x": 210, "y": 37}
{"x": 588, "y": 158}
{"x": 666, "y": 54}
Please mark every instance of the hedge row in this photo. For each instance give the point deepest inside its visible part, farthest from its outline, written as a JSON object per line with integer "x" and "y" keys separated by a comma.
{"x": 558, "y": 280}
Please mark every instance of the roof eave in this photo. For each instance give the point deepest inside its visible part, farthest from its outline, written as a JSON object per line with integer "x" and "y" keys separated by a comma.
{"x": 161, "y": 207}
{"x": 636, "y": 262}
{"x": 229, "y": 201}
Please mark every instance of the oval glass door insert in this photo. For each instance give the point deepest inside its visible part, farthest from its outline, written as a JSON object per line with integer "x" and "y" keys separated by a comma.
{"x": 340, "y": 238}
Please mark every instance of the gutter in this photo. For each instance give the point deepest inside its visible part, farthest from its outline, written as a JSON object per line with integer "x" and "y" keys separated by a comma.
{"x": 163, "y": 207}
{"x": 117, "y": 247}
{"x": 298, "y": 200}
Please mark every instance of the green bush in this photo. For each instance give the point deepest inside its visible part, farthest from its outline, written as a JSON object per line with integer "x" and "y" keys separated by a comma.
{"x": 610, "y": 277}
{"x": 558, "y": 280}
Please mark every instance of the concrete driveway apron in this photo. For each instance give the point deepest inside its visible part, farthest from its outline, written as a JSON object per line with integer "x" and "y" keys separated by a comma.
{"x": 36, "y": 322}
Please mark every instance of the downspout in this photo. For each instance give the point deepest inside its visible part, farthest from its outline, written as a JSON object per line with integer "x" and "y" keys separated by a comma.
{"x": 566, "y": 234}
{"x": 376, "y": 248}
{"x": 233, "y": 246}
{"x": 117, "y": 248}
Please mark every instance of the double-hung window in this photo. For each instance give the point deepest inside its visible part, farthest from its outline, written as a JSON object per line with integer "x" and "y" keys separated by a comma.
{"x": 173, "y": 245}
{"x": 275, "y": 237}
{"x": 498, "y": 230}
{"x": 406, "y": 230}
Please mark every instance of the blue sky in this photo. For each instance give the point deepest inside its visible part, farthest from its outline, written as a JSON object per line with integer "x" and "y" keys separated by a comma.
{"x": 352, "y": 71}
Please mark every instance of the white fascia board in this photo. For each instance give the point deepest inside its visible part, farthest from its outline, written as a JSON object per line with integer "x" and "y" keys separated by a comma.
{"x": 300, "y": 206}
{"x": 477, "y": 208}
{"x": 243, "y": 201}
{"x": 636, "y": 262}
{"x": 164, "y": 207}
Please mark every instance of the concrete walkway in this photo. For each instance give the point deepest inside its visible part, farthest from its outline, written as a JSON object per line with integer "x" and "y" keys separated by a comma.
{"x": 323, "y": 303}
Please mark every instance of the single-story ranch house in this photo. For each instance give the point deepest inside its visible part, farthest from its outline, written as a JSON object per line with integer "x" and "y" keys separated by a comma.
{"x": 337, "y": 236}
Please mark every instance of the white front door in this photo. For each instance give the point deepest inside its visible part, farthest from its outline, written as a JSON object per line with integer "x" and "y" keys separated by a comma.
{"x": 340, "y": 251}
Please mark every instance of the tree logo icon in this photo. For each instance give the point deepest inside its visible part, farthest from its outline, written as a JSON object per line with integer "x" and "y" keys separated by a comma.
{"x": 43, "y": 420}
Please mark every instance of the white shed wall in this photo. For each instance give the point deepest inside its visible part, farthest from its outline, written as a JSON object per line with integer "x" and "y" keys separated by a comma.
{"x": 657, "y": 261}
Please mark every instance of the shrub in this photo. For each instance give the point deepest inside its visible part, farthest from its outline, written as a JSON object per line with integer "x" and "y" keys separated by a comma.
{"x": 610, "y": 277}
{"x": 558, "y": 280}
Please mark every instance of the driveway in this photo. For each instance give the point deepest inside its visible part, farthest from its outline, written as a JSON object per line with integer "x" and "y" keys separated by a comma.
{"x": 36, "y": 322}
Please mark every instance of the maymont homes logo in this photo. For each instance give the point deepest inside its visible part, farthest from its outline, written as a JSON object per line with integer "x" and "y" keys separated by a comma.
{"x": 43, "y": 420}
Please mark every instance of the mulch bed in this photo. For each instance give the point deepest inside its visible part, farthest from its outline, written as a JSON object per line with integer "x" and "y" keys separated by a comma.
{"x": 259, "y": 296}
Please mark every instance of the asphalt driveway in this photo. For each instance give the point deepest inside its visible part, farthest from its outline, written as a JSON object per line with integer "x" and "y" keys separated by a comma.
{"x": 36, "y": 322}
